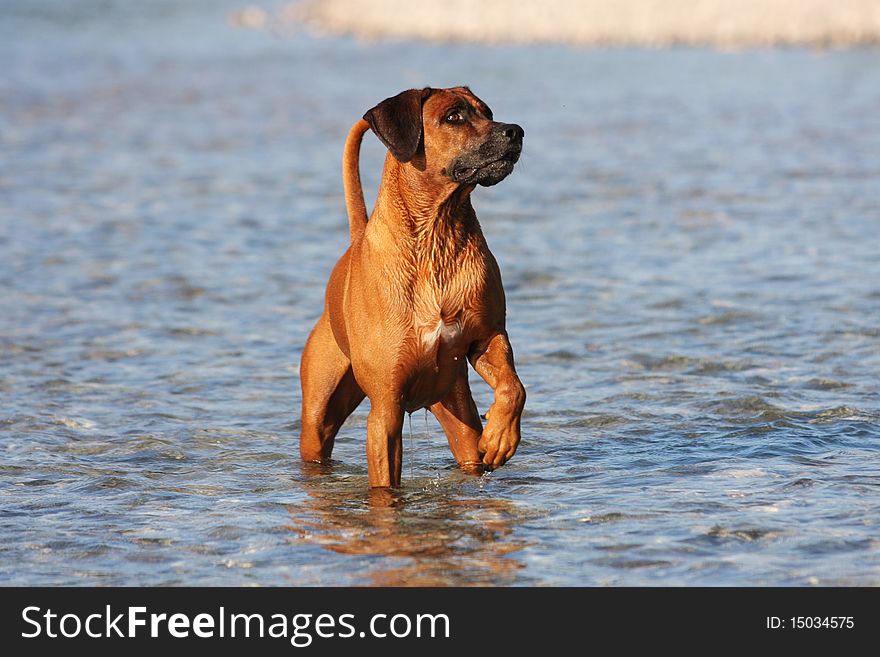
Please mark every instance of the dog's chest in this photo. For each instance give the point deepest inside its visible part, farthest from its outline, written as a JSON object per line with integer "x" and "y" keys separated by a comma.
{"x": 442, "y": 333}
{"x": 441, "y": 321}
{"x": 444, "y": 307}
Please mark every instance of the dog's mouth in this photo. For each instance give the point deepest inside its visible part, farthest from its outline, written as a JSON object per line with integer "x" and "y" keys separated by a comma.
{"x": 486, "y": 173}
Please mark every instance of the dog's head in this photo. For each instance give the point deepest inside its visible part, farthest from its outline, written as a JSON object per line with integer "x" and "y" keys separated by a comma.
{"x": 447, "y": 133}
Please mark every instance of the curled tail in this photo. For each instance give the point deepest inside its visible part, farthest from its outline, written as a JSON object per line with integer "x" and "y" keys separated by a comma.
{"x": 351, "y": 179}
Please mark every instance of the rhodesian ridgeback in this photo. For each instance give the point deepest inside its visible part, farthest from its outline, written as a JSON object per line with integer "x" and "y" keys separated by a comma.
{"x": 418, "y": 293}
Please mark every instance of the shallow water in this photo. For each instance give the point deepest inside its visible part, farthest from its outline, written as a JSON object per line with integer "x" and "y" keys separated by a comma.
{"x": 689, "y": 248}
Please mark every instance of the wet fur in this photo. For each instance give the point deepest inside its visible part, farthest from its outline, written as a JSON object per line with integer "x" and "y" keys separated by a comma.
{"x": 416, "y": 295}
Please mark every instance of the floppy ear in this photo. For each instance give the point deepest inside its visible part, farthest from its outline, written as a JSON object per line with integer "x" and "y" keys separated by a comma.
{"x": 397, "y": 122}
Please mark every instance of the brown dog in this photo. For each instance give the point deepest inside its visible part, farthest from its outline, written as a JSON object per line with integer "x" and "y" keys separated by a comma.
{"x": 417, "y": 291}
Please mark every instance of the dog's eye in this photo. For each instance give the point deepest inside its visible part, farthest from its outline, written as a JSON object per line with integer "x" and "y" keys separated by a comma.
{"x": 455, "y": 117}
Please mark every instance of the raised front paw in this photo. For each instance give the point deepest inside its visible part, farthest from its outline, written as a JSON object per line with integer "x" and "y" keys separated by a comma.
{"x": 499, "y": 442}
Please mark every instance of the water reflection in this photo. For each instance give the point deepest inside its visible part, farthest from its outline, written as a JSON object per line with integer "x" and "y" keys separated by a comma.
{"x": 429, "y": 533}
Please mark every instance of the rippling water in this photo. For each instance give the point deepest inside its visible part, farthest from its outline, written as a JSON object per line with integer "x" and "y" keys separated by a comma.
{"x": 689, "y": 248}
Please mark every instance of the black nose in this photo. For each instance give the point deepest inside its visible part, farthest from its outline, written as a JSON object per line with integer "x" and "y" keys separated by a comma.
{"x": 513, "y": 132}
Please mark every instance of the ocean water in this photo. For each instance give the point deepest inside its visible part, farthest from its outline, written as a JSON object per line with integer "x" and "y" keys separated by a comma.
{"x": 690, "y": 252}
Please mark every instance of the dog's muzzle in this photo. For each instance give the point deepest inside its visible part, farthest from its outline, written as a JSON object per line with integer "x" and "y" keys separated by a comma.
{"x": 493, "y": 160}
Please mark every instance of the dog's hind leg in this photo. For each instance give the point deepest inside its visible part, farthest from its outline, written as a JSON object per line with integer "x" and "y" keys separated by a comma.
{"x": 329, "y": 393}
{"x": 457, "y": 414}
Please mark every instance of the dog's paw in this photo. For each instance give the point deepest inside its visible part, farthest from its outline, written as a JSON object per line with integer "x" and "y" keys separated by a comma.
{"x": 499, "y": 442}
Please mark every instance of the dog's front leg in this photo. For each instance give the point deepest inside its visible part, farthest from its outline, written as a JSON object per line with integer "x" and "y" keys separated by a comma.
{"x": 384, "y": 442}
{"x": 493, "y": 360}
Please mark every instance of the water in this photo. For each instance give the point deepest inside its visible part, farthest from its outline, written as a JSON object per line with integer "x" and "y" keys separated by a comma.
{"x": 689, "y": 248}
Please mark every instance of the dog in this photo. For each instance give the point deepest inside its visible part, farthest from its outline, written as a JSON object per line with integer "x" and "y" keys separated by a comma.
{"x": 417, "y": 294}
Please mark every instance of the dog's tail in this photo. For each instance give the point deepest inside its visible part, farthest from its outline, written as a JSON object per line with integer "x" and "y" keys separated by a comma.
{"x": 351, "y": 179}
